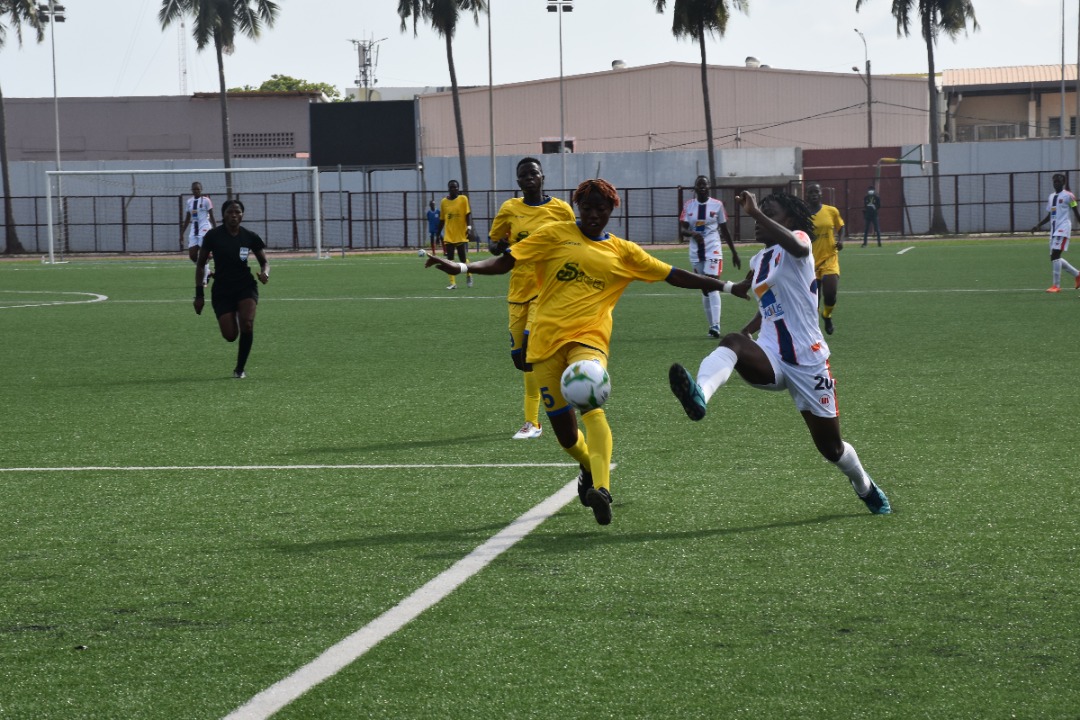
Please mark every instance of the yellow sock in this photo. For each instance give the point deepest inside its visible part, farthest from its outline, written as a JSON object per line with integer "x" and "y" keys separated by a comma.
{"x": 532, "y": 398}
{"x": 599, "y": 434}
{"x": 580, "y": 451}
{"x": 827, "y": 312}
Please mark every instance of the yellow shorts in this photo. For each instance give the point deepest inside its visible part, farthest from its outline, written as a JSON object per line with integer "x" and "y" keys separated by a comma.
{"x": 829, "y": 266}
{"x": 548, "y": 373}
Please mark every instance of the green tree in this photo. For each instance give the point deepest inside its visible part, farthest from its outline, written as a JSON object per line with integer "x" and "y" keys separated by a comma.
{"x": 15, "y": 12}
{"x": 284, "y": 83}
{"x": 443, "y": 16}
{"x": 695, "y": 19}
{"x": 217, "y": 22}
{"x": 935, "y": 17}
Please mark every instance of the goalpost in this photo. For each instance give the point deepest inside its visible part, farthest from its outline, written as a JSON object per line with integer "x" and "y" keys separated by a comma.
{"x": 142, "y": 211}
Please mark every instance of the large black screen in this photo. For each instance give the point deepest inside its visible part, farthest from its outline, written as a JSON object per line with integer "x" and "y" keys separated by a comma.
{"x": 365, "y": 134}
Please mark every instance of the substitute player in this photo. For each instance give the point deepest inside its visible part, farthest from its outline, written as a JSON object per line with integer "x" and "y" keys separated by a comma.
{"x": 1058, "y": 205}
{"x": 704, "y": 221}
{"x": 828, "y": 242}
{"x": 790, "y": 352}
{"x": 583, "y": 271}
{"x": 455, "y": 226}
{"x": 200, "y": 217}
{"x": 516, "y": 220}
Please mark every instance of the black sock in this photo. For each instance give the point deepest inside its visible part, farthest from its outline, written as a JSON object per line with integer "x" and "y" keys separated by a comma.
{"x": 243, "y": 350}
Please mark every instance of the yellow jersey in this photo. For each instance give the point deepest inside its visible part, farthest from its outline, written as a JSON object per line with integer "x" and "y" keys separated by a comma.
{"x": 454, "y": 213}
{"x": 514, "y": 222}
{"x": 827, "y": 224}
{"x": 581, "y": 279}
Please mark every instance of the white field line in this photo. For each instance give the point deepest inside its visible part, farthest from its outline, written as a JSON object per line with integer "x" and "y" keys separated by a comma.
{"x": 85, "y": 299}
{"x": 905, "y": 250}
{"x": 274, "y": 698}
{"x": 151, "y": 468}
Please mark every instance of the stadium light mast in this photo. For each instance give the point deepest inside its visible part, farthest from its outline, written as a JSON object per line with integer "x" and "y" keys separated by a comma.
{"x": 869, "y": 93}
{"x": 560, "y": 7}
{"x": 55, "y": 14}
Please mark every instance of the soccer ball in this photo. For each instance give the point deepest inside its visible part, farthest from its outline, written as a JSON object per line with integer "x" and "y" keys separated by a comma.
{"x": 586, "y": 385}
{"x": 421, "y": 252}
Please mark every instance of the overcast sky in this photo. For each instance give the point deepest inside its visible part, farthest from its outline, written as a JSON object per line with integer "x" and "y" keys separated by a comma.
{"x": 125, "y": 52}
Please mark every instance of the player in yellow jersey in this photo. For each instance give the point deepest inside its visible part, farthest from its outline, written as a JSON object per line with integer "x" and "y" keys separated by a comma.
{"x": 455, "y": 225}
{"x": 828, "y": 242}
{"x": 515, "y": 221}
{"x": 583, "y": 271}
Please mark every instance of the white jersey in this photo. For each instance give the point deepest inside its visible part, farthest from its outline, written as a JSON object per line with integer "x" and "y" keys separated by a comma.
{"x": 199, "y": 208}
{"x": 1060, "y": 205}
{"x": 786, "y": 290}
{"x": 706, "y": 219}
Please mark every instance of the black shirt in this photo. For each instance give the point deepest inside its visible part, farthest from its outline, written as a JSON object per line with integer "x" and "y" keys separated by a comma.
{"x": 231, "y": 254}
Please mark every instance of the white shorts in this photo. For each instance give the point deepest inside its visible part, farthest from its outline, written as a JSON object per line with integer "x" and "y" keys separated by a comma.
{"x": 812, "y": 387}
{"x": 710, "y": 266}
{"x": 194, "y": 241}
{"x": 1059, "y": 242}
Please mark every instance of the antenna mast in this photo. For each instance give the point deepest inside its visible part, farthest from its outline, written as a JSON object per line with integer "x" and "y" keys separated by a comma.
{"x": 181, "y": 51}
{"x": 369, "y": 59}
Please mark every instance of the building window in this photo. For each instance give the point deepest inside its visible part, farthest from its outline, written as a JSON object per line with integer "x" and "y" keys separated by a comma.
{"x": 1054, "y": 128}
{"x": 549, "y": 147}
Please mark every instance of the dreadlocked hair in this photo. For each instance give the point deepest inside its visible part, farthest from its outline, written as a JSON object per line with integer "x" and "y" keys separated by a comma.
{"x": 796, "y": 209}
{"x": 599, "y": 185}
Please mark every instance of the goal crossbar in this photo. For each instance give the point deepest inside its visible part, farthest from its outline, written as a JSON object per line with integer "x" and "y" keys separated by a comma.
{"x": 298, "y": 170}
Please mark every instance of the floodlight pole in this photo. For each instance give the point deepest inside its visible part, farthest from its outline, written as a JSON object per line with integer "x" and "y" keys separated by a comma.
{"x": 55, "y": 14}
{"x": 560, "y": 7}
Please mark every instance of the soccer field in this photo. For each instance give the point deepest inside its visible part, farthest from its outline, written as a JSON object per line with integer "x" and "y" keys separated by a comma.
{"x": 179, "y": 544}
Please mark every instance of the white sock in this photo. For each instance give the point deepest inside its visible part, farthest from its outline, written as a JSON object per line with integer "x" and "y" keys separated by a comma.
{"x": 1067, "y": 267}
{"x": 715, "y": 370}
{"x": 711, "y": 303}
{"x": 1057, "y": 271}
{"x": 849, "y": 465}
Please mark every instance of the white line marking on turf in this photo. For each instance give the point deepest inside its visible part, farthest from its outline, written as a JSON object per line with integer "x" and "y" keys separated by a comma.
{"x": 905, "y": 250}
{"x": 91, "y": 298}
{"x": 336, "y": 658}
{"x": 388, "y": 466}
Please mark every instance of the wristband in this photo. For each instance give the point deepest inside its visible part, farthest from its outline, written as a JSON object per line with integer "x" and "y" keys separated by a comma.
{"x": 198, "y": 291}
{"x": 462, "y": 268}
{"x": 727, "y": 287}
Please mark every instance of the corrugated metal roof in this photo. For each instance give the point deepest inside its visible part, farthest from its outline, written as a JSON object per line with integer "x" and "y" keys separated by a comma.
{"x": 1017, "y": 74}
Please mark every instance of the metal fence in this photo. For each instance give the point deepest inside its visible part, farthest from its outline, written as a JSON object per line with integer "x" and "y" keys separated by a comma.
{"x": 998, "y": 203}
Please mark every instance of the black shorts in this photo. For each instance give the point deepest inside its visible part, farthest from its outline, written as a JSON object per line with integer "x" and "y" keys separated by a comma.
{"x": 226, "y": 300}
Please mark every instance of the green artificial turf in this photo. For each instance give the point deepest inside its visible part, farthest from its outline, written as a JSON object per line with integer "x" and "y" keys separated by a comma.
{"x": 235, "y": 530}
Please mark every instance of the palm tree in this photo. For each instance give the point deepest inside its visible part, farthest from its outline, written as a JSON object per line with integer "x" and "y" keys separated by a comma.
{"x": 217, "y": 22}
{"x": 17, "y": 12}
{"x": 695, "y": 19}
{"x": 935, "y": 17}
{"x": 443, "y": 17}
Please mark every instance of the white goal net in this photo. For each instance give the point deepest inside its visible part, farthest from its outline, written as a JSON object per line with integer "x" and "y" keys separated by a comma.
{"x": 142, "y": 211}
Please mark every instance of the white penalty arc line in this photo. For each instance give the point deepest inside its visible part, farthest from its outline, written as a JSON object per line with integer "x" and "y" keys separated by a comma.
{"x": 384, "y": 466}
{"x": 912, "y": 247}
{"x": 336, "y": 658}
{"x": 90, "y": 298}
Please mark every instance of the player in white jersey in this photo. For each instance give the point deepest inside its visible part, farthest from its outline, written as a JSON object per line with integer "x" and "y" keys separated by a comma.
{"x": 704, "y": 221}
{"x": 1058, "y": 206}
{"x": 790, "y": 352}
{"x": 200, "y": 217}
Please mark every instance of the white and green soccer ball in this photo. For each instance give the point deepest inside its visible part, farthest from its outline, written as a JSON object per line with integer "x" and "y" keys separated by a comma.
{"x": 586, "y": 385}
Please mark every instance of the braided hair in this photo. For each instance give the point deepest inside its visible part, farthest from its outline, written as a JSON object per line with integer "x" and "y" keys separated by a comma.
{"x": 599, "y": 185}
{"x": 797, "y": 211}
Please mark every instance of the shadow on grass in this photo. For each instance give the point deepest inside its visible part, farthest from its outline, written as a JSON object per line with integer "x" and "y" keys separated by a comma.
{"x": 544, "y": 542}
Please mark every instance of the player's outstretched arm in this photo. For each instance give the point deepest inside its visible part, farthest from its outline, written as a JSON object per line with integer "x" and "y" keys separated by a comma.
{"x": 692, "y": 281}
{"x": 499, "y": 265}
{"x": 782, "y": 235}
